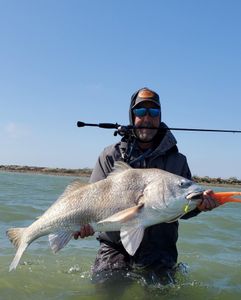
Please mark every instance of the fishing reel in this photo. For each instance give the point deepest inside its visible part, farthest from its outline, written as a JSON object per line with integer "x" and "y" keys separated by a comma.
{"x": 123, "y": 131}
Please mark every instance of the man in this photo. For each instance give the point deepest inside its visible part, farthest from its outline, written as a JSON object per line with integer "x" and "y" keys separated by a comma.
{"x": 143, "y": 148}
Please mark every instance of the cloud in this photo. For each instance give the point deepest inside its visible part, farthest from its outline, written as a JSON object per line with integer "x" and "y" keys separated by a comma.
{"x": 15, "y": 130}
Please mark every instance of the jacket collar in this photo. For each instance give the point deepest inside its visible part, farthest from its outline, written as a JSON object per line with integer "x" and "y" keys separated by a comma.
{"x": 167, "y": 142}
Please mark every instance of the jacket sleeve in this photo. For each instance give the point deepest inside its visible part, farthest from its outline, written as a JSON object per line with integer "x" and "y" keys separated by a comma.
{"x": 103, "y": 166}
{"x": 98, "y": 172}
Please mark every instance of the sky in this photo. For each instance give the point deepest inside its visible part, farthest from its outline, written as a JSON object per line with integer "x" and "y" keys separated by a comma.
{"x": 64, "y": 61}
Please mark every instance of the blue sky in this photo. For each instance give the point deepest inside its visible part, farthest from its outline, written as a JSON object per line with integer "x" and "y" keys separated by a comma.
{"x": 64, "y": 61}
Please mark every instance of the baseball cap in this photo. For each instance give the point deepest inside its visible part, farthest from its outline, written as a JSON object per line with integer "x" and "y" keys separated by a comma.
{"x": 146, "y": 94}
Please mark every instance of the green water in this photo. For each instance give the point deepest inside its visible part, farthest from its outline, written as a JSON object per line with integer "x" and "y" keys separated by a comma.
{"x": 209, "y": 246}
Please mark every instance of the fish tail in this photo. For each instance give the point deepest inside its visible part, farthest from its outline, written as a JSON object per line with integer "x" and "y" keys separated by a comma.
{"x": 225, "y": 197}
{"x": 16, "y": 236}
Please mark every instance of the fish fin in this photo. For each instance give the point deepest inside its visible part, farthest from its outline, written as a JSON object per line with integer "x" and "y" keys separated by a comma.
{"x": 59, "y": 240}
{"x": 119, "y": 167}
{"x": 131, "y": 238}
{"x": 72, "y": 187}
{"x": 225, "y": 197}
{"x": 18, "y": 256}
{"x": 15, "y": 235}
{"x": 124, "y": 215}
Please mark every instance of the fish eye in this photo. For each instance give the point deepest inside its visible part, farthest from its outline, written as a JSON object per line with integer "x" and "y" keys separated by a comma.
{"x": 185, "y": 183}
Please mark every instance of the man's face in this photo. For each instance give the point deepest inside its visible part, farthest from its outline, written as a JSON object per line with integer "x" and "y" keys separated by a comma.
{"x": 146, "y": 135}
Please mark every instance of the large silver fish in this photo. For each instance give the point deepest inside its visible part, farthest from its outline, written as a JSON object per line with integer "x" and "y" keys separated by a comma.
{"x": 128, "y": 200}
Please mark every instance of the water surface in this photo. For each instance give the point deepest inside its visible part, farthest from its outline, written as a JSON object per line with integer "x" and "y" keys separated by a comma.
{"x": 209, "y": 245}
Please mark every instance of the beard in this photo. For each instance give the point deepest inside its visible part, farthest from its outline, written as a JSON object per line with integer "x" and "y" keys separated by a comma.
{"x": 145, "y": 134}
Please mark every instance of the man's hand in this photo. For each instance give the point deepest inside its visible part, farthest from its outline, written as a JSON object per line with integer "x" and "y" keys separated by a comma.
{"x": 85, "y": 231}
{"x": 208, "y": 202}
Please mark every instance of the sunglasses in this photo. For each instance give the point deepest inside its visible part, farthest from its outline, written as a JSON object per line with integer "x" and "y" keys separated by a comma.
{"x": 141, "y": 112}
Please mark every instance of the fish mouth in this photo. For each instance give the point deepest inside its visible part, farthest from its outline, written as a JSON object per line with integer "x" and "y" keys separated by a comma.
{"x": 195, "y": 196}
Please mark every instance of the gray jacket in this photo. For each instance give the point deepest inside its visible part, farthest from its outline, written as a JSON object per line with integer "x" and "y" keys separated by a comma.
{"x": 159, "y": 243}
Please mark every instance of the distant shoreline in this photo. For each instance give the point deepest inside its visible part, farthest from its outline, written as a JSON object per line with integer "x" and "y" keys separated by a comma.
{"x": 86, "y": 172}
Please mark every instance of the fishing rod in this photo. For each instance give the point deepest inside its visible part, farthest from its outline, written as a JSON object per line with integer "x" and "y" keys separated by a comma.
{"x": 121, "y": 129}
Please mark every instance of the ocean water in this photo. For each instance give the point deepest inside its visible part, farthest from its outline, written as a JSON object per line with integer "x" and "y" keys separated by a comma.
{"x": 209, "y": 248}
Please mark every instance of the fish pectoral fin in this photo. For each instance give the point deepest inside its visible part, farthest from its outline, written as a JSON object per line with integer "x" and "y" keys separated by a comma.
{"x": 124, "y": 215}
{"x": 59, "y": 240}
{"x": 131, "y": 238}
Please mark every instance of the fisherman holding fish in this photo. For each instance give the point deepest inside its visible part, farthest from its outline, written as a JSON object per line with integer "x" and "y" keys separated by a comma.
{"x": 135, "y": 207}
{"x": 144, "y": 148}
